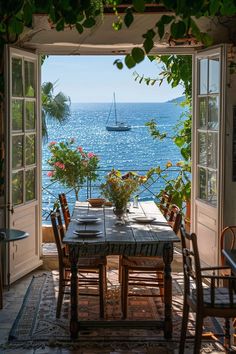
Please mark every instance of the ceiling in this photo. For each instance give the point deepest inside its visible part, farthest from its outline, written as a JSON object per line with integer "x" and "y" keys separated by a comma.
{"x": 103, "y": 39}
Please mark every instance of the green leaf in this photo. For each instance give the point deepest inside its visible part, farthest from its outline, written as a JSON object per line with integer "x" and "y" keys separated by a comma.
{"x": 27, "y": 13}
{"x": 129, "y": 61}
{"x": 118, "y": 64}
{"x": 166, "y": 19}
{"x": 148, "y": 45}
{"x": 178, "y": 29}
{"x": 206, "y": 39}
{"x": 139, "y": 5}
{"x": 150, "y": 34}
{"x": 161, "y": 29}
{"x": 60, "y": 25}
{"x": 89, "y": 22}
{"x": 228, "y": 8}
{"x": 117, "y": 25}
{"x": 16, "y": 26}
{"x": 137, "y": 54}
{"x": 214, "y": 6}
{"x": 79, "y": 27}
{"x": 129, "y": 18}
{"x": 179, "y": 141}
{"x": 80, "y": 17}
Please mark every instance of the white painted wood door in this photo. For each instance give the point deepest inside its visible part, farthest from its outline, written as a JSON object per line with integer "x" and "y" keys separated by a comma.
{"x": 208, "y": 150}
{"x": 23, "y": 133}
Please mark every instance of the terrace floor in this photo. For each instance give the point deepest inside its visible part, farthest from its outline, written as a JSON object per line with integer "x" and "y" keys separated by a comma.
{"x": 12, "y": 302}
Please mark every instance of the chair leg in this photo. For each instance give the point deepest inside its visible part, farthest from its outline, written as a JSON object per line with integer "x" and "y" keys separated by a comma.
{"x": 198, "y": 333}
{"x": 102, "y": 275}
{"x": 120, "y": 270}
{"x": 125, "y": 290}
{"x": 60, "y": 294}
{"x": 227, "y": 343}
{"x": 184, "y": 327}
{"x": 160, "y": 281}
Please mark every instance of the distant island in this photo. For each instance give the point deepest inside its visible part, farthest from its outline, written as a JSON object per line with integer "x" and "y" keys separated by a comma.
{"x": 177, "y": 100}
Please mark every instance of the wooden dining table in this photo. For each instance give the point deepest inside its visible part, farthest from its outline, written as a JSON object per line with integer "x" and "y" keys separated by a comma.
{"x": 151, "y": 236}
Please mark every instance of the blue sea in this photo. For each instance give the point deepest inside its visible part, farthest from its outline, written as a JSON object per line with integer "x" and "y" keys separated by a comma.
{"x": 128, "y": 150}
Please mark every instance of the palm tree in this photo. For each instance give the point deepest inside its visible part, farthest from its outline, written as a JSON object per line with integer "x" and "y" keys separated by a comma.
{"x": 54, "y": 107}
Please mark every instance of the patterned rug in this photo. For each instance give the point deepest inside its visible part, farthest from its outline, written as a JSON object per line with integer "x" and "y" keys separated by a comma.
{"x": 36, "y": 324}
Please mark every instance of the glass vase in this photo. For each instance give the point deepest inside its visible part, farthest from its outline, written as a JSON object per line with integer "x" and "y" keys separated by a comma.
{"x": 120, "y": 215}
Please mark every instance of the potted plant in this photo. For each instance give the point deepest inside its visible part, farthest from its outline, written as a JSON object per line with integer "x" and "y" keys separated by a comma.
{"x": 71, "y": 165}
{"x": 118, "y": 188}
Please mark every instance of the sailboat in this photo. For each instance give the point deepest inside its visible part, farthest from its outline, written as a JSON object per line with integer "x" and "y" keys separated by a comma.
{"x": 117, "y": 126}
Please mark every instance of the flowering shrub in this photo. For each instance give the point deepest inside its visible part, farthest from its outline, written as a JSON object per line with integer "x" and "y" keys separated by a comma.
{"x": 118, "y": 188}
{"x": 71, "y": 165}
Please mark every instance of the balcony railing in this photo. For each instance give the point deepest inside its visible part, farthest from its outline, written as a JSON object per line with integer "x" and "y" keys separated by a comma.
{"x": 51, "y": 189}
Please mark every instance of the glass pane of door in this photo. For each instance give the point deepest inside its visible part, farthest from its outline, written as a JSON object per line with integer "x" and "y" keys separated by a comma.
{"x": 30, "y": 185}
{"x": 17, "y": 188}
{"x": 17, "y": 115}
{"x": 23, "y": 130}
{"x": 30, "y": 115}
{"x": 203, "y": 82}
{"x": 17, "y": 151}
{"x": 214, "y": 75}
{"x": 17, "y": 79}
{"x": 29, "y": 79}
{"x": 208, "y": 128}
{"x": 30, "y": 149}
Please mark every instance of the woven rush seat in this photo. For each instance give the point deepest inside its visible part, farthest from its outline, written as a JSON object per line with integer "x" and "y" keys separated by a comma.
{"x": 218, "y": 298}
{"x": 143, "y": 262}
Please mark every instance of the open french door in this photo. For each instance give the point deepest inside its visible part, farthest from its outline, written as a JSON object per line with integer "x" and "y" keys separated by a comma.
{"x": 208, "y": 150}
{"x": 23, "y": 141}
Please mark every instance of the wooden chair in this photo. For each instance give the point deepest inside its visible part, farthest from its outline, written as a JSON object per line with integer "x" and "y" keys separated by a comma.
{"x": 65, "y": 209}
{"x": 205, "y": 301}
{"x": 227, "y": 240}
{"x": 95, "y": 265}
{"x": 146, "y": 272}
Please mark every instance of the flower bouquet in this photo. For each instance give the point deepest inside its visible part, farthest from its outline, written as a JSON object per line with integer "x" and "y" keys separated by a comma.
{"x": 118, "y": 188}
{"x": 71, "y": 165}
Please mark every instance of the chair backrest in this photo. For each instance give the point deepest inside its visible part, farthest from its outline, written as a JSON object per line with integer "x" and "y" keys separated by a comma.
{"x": 65, "y": 209}
{"x": 174, "y": 216}
{"x": 58, "y": 232}
{"x": 165, "y": 203}
{"x": 191, "y": 265}
{"x": 227, "y": 240}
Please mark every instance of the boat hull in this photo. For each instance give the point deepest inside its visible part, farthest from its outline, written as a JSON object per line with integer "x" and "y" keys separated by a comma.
{"x": 118, "y": 128}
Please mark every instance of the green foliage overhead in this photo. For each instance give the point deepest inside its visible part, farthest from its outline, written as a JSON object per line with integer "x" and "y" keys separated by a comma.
{"x": 16, "y": 14}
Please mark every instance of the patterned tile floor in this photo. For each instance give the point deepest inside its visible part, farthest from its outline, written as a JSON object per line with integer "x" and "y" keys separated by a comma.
{"x": 12, "y": 302}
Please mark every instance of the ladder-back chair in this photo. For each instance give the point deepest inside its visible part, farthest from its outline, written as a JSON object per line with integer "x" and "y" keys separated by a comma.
{"x": 65, "y": 209}
{"x": 145, "y": 272}
{"x": 95, "y": 265}
{"x": 212, "y": 300}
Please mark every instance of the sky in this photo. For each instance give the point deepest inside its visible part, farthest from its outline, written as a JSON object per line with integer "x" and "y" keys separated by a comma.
{"x": 95, "y": 78}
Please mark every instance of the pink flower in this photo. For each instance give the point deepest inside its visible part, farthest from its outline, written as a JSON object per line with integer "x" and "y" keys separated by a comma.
{"x": 52, "y": 143}
{"x": 79, "y": 148}
{"x": 90, "y": 155}
{"x": 59, "y": 165}
{"x": 50, "y": 173}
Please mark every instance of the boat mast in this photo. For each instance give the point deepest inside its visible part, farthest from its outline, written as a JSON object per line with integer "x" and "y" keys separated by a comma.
{"x": 115, "y": 107}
